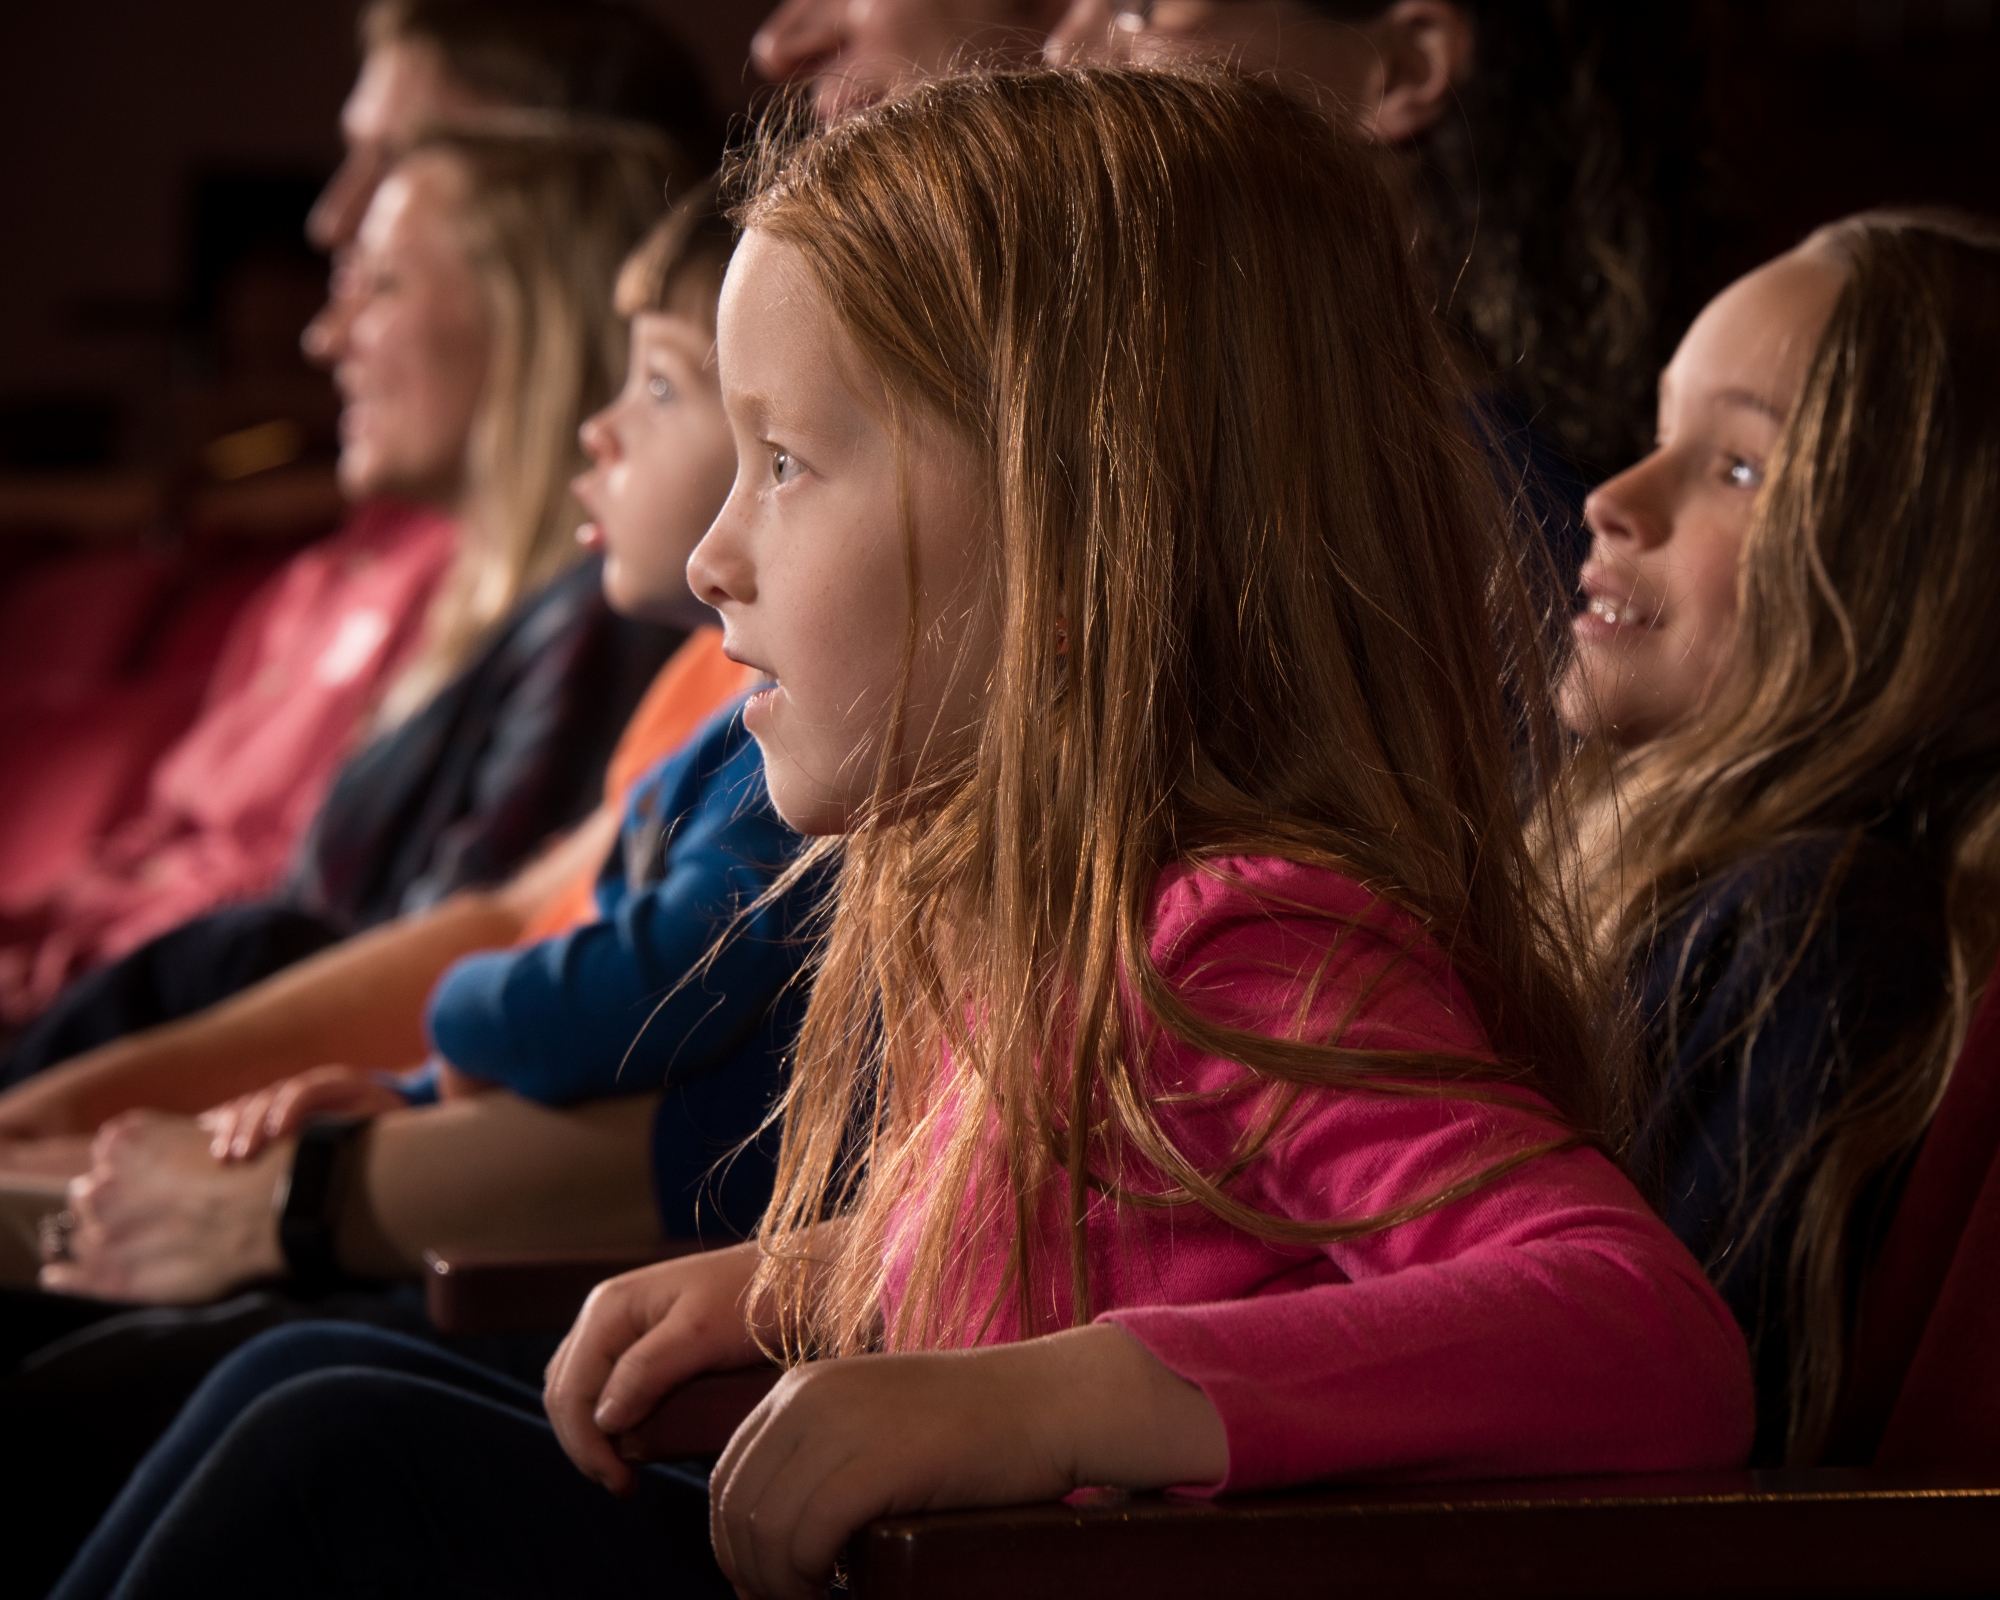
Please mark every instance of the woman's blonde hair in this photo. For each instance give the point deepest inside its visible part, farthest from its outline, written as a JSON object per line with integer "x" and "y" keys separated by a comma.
{"x": 1171, "y": 315}
{"x": 549, "y": 208}
{"x": 1862, "y": 692}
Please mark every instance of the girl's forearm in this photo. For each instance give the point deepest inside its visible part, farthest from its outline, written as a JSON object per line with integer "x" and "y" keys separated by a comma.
{"x": 1122, "y": 1418}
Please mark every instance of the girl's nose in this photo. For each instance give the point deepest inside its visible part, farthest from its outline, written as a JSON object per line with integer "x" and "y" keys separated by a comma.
{"x": 598, "y": 438}
{"x": 795, "y": 37}
{"x": 719, "y": 569}
{"x": 1635, "y": 507}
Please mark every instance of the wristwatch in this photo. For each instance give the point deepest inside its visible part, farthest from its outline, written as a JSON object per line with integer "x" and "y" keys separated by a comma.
{"x": 309, "y": 1213}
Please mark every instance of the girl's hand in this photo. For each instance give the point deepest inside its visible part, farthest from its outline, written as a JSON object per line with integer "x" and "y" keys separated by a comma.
{"x": 840, "y": 1443}
{"x": 238, "y": 1129}
{"x": 639, "y": 1336}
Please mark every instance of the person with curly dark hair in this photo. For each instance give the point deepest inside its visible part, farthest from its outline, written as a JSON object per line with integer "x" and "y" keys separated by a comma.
{"x": 1551, "y": 163}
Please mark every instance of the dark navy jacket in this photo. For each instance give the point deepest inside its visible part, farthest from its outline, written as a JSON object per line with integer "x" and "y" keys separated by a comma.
{"x": 1721, "y": 1121}
{"x": 512, "y": 750}
{"x": 625, "y": 1004}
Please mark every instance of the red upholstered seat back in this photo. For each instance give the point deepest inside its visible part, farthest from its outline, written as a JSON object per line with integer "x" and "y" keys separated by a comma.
{"x": 1924, "y": 1385}
{"x": 77, "y": 622}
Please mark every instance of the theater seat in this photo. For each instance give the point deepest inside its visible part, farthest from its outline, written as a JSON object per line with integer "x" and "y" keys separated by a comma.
{"x": 1934, "y": 1298}
{"x": 1742, "y": 1534}
{"x": 78, "y": 621}
{"x": 1924, "y": 1520}
{"x": 469, "y": 1293}
{"x": 1861, "y": 1533}
{"x": 77, "y": 763}
{"x": 107, "y": 663}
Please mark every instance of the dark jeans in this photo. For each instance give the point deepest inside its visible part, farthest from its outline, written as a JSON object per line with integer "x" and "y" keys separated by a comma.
{"x": 94, "y": 1396}
{"x": 330, "y": 1460}
{"x": 181, "y": 972}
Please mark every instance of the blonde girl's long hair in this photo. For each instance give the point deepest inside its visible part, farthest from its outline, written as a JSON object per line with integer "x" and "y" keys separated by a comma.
{"x": 1170, "y": 314}
{"x": 548, "y": 209}
{"x": 1863, "y": 691}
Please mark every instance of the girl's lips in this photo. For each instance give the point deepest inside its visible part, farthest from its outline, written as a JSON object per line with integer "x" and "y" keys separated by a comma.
{"x": 1614, "y": 609}
{"x": 1613, "y": 615}
{"x": 590, "y": 534}
{"x": 759, "y": 701}
{"x": 1605, "y": 623}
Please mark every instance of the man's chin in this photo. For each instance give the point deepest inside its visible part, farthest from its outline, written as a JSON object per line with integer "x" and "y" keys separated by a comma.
{"x": 836, "y": 97}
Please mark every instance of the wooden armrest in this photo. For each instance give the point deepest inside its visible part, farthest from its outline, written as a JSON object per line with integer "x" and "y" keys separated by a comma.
{"x": 697, "y": 1418}
{"x": 471, "y": 1292}
{"x": 1727, "y": 1534}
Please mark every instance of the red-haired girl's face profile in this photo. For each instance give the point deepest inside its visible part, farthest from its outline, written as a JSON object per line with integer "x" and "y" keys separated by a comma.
{"x": 833, "y": 531}
{"x": 1660, "y": 586}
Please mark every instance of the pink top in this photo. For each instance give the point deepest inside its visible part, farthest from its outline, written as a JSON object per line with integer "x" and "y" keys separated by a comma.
{"x": 1548, "y": 1324}
{"x": 305, "y": 665}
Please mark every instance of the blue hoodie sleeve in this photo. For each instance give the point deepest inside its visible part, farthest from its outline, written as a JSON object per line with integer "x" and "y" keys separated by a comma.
{"x": 616, "y": 1007}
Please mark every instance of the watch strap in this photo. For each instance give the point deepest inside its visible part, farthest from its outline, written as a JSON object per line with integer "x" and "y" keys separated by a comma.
{"x": 310, "y": 1215}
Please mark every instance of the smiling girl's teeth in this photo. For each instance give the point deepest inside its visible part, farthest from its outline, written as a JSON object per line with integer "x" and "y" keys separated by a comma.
{"x": 1605, "y": 610}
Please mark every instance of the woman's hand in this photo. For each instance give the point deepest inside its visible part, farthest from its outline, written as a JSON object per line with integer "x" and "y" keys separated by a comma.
{"x": 158, "y": 1220}
{"x": 239, "y": 1129}
{"x": 840, "y": 1443}
{"x": 639, "y": 1336}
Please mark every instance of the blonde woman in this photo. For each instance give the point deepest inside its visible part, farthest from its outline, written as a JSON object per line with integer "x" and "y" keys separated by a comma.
{"x": 472, "y": 332}
{"x": 1790, "y": 700}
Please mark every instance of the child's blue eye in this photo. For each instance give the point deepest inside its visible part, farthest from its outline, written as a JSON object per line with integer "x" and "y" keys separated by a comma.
{"x": 659, "y": 388}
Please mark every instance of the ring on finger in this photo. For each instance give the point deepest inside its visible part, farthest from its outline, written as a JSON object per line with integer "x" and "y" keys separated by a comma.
{"x": 53, "y": 1233}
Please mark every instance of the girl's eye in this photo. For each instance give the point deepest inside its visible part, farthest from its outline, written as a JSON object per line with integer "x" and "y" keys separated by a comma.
{"x": 784, "y": 466}
{"x": 659, "y": 388}
{"x": 1743, "y": 474}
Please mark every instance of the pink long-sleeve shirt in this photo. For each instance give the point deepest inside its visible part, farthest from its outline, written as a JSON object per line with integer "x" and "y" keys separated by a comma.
{"x": 304, "y": 667}
{"x": 1547, "y": 1324}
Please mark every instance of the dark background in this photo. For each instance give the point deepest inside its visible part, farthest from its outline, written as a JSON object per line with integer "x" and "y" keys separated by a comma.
{"x": 149, "y": 150}
{"x": 147, "y": 147}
